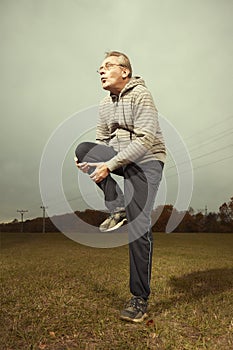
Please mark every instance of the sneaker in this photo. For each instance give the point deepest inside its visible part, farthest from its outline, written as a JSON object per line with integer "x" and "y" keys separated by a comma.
{"x": 114, "y": 221}
{"x": 135, "y": 310}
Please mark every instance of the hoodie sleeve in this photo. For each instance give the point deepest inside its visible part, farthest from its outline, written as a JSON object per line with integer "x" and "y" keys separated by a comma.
{"x": 145, "y": 134}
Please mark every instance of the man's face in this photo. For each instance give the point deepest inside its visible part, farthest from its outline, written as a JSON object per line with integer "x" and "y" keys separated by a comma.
{"x": 113, "y": 76}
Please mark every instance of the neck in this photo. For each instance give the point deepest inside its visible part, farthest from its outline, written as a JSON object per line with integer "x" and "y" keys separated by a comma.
{"x": 116, "y": 90}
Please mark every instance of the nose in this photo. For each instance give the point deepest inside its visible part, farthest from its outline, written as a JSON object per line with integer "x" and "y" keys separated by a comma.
{"x": 102, "y": 70}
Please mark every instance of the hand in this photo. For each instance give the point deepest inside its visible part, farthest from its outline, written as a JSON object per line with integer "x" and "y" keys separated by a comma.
{"x": 100, "y": 173}
{"x": 84, "y": 167}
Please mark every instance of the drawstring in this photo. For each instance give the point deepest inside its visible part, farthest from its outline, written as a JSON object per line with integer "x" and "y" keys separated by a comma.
{"x": 127, "y": 127}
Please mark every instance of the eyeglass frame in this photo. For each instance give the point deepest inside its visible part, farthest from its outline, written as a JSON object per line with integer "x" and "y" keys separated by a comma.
{"x": 108, "y": 66}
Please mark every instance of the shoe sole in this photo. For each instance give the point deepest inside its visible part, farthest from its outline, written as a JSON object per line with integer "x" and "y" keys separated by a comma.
{"x": 135, "y": 320}
{"x": 121, "y": 223}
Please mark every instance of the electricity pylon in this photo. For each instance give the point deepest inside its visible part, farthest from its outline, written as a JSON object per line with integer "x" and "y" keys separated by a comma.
{"x": 22, "y": 214}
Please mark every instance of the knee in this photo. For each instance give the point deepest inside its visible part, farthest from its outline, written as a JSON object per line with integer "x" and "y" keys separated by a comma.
{"x": 82, "y": 149}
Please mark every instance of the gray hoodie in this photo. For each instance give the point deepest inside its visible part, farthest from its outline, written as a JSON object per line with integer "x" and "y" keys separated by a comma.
{"x": 129, "y": 123}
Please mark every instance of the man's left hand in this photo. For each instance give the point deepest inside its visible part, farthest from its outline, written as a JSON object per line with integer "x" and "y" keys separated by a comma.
{"x": 100, "y": 173}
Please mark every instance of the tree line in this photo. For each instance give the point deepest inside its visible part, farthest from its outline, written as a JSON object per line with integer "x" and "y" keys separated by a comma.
{"x": 222, "y": 221}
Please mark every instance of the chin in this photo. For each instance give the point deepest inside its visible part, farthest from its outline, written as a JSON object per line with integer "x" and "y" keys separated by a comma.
{"x": 106, "y": 87}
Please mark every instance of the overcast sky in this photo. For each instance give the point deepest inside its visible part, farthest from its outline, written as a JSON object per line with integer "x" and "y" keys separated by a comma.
{"x": 50, "y": 50}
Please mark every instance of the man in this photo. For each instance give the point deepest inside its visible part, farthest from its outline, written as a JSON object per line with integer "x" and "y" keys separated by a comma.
{"x": 129, "y": 143}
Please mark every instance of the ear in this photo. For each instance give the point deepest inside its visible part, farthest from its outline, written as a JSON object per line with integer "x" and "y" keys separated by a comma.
{"x": 125, "y": 72}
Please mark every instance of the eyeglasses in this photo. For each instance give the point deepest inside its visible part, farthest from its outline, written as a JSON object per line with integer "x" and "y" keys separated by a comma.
{"x": 108, "y": 66}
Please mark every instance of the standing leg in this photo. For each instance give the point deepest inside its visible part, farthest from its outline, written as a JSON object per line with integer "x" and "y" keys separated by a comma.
{"x": 141, "y": 185}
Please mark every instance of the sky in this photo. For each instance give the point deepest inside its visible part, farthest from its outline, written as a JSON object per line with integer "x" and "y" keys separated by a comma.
{"x": 50, "y": 51}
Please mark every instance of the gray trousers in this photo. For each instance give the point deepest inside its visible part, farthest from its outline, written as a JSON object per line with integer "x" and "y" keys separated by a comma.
{"x": 141, "y": 182}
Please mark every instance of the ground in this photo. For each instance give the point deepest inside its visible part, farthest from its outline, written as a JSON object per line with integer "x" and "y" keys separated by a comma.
{"x": 60, "y": 295}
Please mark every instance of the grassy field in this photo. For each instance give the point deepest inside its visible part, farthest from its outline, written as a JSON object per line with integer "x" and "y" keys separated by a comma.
{"x": 59, "y": 295}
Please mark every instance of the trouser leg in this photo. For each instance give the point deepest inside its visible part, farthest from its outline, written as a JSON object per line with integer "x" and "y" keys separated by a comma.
{"x": 141, "y": 185}
{"x": 92, "y": 152}
{"x": 140, "y": 254}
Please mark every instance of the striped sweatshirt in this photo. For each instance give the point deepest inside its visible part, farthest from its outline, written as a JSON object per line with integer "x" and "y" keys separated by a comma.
{"x": 129, "y": 124}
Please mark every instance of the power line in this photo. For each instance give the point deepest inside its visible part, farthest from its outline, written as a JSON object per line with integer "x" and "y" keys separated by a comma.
{"x": 201, "y": 166}
{"x": 210, "y": 127}
{"x": 215, "y": 138}
{"x": 210, "y": 140}
{"x": 207, "y": 141}
{"x": 217, "y": 161}
{"x": 201, "y": 156}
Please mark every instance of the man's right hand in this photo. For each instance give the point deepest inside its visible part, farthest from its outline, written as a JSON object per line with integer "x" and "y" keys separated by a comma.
{"x": 84, "y": 167}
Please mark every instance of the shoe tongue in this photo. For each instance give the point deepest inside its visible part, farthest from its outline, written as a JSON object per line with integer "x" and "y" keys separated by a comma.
{"x": 135, "y": 301}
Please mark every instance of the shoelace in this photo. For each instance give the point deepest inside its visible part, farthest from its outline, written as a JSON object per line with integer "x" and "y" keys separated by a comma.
{"x": 115, "y": 216}
{"x": 136, "y": 303}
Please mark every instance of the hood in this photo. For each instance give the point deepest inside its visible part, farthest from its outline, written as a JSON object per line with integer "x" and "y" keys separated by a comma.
{"x": 134, "y": 81}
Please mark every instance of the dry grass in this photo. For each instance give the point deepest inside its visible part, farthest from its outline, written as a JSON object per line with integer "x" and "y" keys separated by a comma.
{"x": 59, "y": 295}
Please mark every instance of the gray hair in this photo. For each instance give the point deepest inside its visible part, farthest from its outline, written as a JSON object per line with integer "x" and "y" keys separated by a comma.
{"x": 123, "y": 60}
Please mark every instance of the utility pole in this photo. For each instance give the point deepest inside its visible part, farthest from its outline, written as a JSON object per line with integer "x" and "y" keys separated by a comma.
{"x": 22, "y": 214}
{"x": 206, "y": 211}
{"x": 43, "y": 208}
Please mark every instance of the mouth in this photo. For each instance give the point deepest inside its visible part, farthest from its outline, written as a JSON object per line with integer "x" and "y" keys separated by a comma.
{"x": 103, "y": 80}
